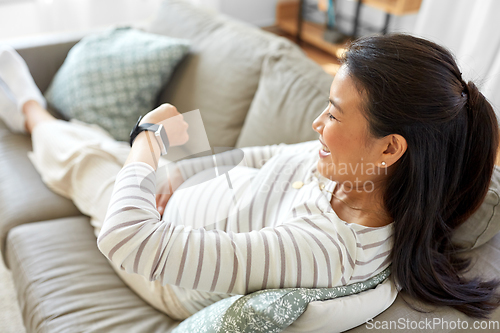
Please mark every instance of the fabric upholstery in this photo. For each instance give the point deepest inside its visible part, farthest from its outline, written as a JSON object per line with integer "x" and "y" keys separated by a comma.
{"x": 221, "y": 75}
{"x": 66, "y": 285}
{"x": 293, "y": 91}
{"x": 45, "y": 55}
{"x": 485, "y": 222}
{"x": 341, "y": 314}
{"x": 273, "y": 310}
{"x": 44, "y": 59}
{"x": 486, "y": 264}
{"x": 24, "y": 198}
{"x": 113, "y": 77}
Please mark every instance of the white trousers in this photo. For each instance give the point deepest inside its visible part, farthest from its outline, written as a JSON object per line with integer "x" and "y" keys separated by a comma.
{"x": 80, "y": 162}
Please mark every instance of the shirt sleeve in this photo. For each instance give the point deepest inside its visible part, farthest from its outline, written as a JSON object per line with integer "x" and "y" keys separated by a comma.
{"x": 300, "y": 253}
{"x": 254, "y": 157}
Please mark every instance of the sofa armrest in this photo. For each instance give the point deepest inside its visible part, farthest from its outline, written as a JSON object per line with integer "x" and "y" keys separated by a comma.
{"x": 24, "y": 198}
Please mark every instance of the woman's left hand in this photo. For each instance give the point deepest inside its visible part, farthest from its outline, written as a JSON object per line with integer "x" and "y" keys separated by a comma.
{"x": 173, "y": 122}
{"x": 166, "y": 190}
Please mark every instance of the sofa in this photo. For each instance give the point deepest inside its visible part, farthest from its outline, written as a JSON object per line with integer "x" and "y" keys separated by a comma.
{"x": 252, "y": 88}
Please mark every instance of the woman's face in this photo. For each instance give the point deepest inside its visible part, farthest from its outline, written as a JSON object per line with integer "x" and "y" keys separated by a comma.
{"x": 349, "y": 153}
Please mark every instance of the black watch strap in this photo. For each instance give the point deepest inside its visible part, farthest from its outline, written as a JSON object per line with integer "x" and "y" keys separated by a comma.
{"x": 140, "y": 128}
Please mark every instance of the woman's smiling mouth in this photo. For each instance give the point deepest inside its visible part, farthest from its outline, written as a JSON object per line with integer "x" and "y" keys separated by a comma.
{"x": 324, "y": 152}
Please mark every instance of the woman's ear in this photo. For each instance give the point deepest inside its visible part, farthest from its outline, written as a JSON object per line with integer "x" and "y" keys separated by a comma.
{"x": 395, "y": 148}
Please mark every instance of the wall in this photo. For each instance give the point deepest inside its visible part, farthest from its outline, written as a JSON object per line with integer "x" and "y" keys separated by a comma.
{"x": 258, "y": 12}
{"x": 23, "y": 19}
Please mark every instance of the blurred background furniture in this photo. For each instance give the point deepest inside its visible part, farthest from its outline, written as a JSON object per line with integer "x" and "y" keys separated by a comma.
{"x": 290, "y": 18}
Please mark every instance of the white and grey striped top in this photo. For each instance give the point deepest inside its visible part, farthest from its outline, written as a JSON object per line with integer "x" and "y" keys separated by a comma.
{"x": 256, "y": 231}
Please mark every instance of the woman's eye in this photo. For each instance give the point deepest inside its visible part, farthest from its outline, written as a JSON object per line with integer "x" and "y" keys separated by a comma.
{"x": 329, "y": 114}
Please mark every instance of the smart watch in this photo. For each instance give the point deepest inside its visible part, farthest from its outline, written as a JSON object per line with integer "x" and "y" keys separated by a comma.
{"x": 158, "y": 130}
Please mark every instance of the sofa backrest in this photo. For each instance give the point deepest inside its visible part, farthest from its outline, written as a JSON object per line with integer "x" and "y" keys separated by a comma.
{"x": 293, "y": 91}
{"x": 223, "y": 72}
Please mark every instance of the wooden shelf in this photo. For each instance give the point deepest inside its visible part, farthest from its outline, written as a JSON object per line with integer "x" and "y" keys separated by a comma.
{"x": 312, "y": 33}
{"x": 395, "y": 7}
{"x": 287, "y": 12}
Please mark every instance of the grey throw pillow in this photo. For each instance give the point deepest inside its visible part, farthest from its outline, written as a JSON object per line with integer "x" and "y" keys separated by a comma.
{"x": 269, "y": 310}
{"x": 112, "y": 78}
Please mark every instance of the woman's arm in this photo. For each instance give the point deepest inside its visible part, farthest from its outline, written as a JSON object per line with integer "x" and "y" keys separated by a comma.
{"x": 303, "y": 252}
{"x": 253, "y": 157}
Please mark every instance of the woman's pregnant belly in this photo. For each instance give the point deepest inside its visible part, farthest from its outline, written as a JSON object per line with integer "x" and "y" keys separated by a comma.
{"x": 208, "y": 201}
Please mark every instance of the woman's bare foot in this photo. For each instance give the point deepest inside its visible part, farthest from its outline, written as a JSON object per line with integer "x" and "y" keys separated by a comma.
{"x": 35, "y": 114}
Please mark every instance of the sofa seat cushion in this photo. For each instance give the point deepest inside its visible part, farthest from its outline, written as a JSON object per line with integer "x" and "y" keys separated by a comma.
{"x": 293, "y": 91}
{"x": 24, "y": 197}
{"x": 221, "y": 75}
{"x": 64, "y": 284}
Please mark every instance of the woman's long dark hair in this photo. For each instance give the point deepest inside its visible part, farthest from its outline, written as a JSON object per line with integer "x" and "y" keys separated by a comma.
{"x": 414, "y": 88}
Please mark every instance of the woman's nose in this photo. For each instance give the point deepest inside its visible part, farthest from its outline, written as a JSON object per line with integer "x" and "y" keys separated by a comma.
{"x": 317, "y": 124}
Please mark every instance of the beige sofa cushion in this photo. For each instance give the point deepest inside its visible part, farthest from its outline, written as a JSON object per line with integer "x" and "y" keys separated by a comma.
{"x": 65, "y": 284}
{"x": 486, "y": 264}
{"x": 485, "y": 222}
{"x": 293, "y": 90}
{"x": 221, "y": 75}
{"x": 24, "y": 197}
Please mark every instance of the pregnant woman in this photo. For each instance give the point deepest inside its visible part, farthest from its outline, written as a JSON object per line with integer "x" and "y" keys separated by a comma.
{"x": 405, "y": 154}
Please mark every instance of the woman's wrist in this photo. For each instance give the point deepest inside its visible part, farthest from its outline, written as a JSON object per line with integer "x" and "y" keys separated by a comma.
{"x": 145, "y": 149}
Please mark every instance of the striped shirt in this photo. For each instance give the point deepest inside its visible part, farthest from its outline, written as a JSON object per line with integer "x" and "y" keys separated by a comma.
{"x": 246, "y": 220}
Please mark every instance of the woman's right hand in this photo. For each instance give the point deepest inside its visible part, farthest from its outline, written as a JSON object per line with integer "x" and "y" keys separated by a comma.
{"x": 173, "y": 122}
{"x": 165, "y": 191}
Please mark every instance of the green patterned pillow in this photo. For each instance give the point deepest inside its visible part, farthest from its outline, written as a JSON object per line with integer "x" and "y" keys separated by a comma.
{"x": 270, "y": 310}
{"x": 112, "y": 78}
